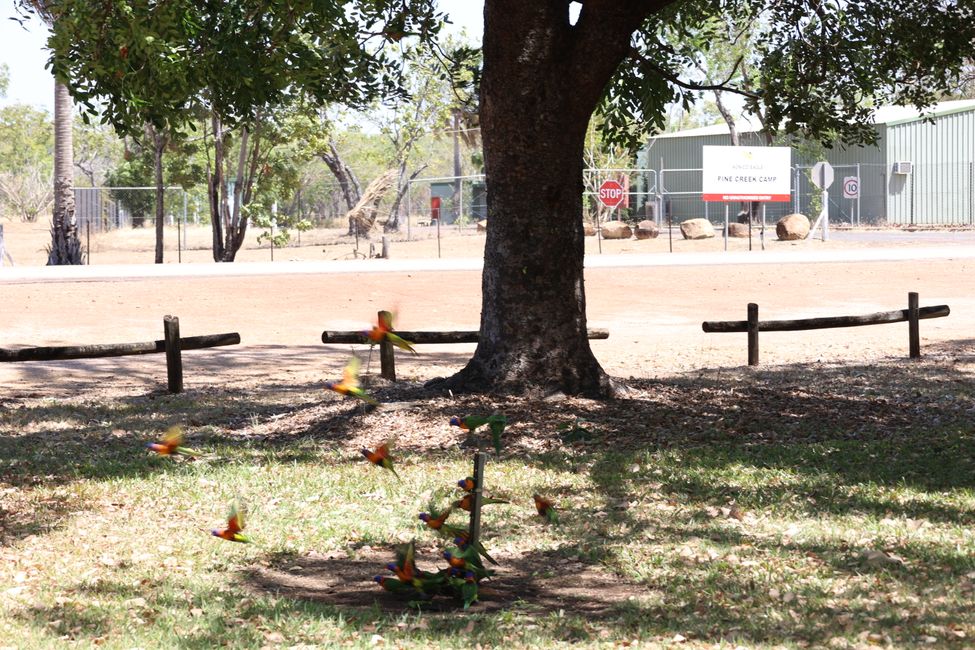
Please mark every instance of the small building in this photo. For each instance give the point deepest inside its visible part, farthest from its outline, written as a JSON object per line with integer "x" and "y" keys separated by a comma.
{"x": 920, "y": 171}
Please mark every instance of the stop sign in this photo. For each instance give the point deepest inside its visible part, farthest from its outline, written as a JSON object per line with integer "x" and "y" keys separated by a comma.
{"x": 611, "y": 194}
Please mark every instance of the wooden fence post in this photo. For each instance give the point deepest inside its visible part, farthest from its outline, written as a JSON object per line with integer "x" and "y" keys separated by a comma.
{"x": 387, "y": 361}
{"x": 913, "y": 329}
{"x": 476, "y": 496}
{"x": 174, "y": 358}
{"x": 752, "y": 334}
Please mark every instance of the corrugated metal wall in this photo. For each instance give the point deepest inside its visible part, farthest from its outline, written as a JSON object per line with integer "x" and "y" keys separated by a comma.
{"x": 939, "y": 189}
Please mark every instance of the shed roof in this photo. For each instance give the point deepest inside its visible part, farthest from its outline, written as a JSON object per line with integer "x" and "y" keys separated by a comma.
{"x": 889, "y": 115}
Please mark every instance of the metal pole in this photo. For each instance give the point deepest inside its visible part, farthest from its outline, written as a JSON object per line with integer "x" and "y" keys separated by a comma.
{"x": 763, "y": 226}
{"x": 439, "y": 214}
{"x": 480, "y": 458}
{"x": 725, "y": 226}
{"x": 179, "y": 242}
{"x": 859, "y": 192}
{"x": 409, "y": 208}
{"x": 825, "y": 215}
{"x": 88, "y": 240}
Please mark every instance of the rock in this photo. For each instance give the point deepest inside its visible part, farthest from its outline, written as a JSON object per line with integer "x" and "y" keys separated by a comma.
{"x": 791, "y": 227}
{"x": 697, "y": 229}
{"x": 589, "y": 229}
{"x": 616, "y": 230}
{"x": 738, "y": 230}
{"x": 482, "y": 225}
{"x": 647, "y": 230}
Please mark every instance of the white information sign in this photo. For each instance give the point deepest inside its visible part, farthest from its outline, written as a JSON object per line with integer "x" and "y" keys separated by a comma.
{"x": 747, "y": 173}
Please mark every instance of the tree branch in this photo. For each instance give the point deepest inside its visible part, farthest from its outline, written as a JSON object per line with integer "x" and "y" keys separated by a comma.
{"x": 647, "y": 64}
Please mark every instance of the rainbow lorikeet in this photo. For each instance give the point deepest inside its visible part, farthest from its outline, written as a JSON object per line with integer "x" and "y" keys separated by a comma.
{"x": 471, "y": 423}
{"x": 235, "y": 524}
{"x": 383, "y": 331}
{"x": 546, "y": 508}
{"x": 466, "y": 484}
{"x": 350, "y": 383}
{"x": 381, "y": 458}
{"x": 462, "y": 541}
{"x": 171, "y": 444}
{"x": 467, "y": 502}
{"x": 405, "y": 565}
{"x": 435, "y": 520}
{"x": 395, "y": 585}
{"x": 466, "y": 559}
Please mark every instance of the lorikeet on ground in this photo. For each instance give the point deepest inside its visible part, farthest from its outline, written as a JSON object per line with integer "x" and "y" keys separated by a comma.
{"x": 546, "y": 509}
{"x": 468, "y": 501}
{"x": 466, "y": 484}
{"x": 350, "y": 383}
{"x": 381, "y": 458}
{"x": 395, "y": 586}
{"x": 235, "y": 524}
{"x": 466, "y": 559}
{"x": 171, "y": 444}
{"x": 462, "y": 540}
{"x": 383, "y": 330}
{"x": 496, "y": 423}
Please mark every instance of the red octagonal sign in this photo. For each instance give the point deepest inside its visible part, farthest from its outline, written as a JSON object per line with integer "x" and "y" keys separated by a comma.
{"x": 611, "y": 194}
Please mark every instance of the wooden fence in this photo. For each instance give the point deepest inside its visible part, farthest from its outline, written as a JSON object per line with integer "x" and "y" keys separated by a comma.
{"x": 171, "y": 344}
{"x": 753, "y": 326}
{"x": 387, "y": 361}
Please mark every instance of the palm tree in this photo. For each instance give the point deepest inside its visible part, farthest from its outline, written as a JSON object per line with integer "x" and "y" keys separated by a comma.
{"x": 65, "y": 246}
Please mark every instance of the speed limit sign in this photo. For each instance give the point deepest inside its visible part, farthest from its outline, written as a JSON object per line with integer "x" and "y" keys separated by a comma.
{"x": 851, "y": 187}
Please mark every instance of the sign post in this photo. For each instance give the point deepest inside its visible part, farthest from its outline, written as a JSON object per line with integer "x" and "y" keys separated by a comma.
{"x": 822, "y": 177}
{"x": 851, "y": 190}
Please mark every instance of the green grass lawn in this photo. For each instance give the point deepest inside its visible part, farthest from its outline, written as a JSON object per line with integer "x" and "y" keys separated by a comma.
{"x": 850, "y": 527}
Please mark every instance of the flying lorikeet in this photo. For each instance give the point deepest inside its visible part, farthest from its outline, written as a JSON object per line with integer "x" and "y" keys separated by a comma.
{"x": 381, "y": 458}
{"x": 467, "y": 502}
{"x": 545, "y": 509}
{"x": 434, "y": 519}
{"x": 171, "y": 444}
{"x": 496, "y": 423}
{"x": 235, "y": 524}
{"x": 405, "y": 565}
{"x": 350, "y": 383}
{"x": 383, "y": 331}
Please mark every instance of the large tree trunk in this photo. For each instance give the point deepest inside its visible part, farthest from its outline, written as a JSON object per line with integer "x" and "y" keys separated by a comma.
{"x": 65, "y": 245}
{"x": 534, "y": 114}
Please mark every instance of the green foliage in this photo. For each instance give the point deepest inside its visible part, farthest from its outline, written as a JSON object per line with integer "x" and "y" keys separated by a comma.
{"x": 133, "y": 62}
{"x": 811, "y": 69}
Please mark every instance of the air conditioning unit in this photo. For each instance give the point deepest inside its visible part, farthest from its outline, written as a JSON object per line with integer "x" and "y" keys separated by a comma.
{"x": 905, "y": 167}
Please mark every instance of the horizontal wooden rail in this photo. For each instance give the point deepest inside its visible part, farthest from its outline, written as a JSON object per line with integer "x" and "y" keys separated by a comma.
{"x": 430, "y": 337}
{"x": 387, "y": 361}
{"x": 913, "y": 314}
{"x": 896, "y": 316}
{"x": 115, "y": 349}
{"x": 172, "y": 345}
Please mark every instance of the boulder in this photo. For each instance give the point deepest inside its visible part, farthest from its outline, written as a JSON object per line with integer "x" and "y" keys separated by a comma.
{"x": 792, "y": 226}
{"x": 589, "y": 229}
{"x": 738, "y": 230}
{"x": 697, "y": 229}
{"x": 616, "y": 230}
{"x": 482, "y": 225}
{"x": 647, "y": 230}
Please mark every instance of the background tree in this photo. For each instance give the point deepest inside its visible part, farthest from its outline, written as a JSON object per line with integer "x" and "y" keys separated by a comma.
{"x": 139, "y": 61}
{"x": 26, "y": 161}
{"x": 65, "y": 246}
